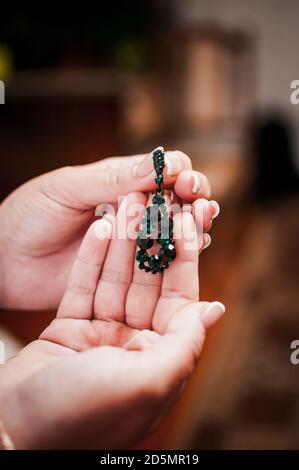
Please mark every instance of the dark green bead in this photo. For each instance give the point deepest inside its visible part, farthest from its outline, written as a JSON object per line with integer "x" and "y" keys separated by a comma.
{"x": 168, "y": 252}
{"x": 164, "y": 241}
{"x": 144, "y": 243}
{"x": 154, "y": 261}
{"x": 158, "y": 199}
{"x": 141, "y": 256}
{"x": 159, "y": 179}
{"x": 158, "y": 153}
{"x": 165, "y": 265}
{"x": 147, "y": 269}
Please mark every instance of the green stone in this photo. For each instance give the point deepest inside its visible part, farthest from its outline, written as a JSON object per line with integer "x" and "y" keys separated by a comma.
{"x": 144, "y": 243}
{"x": 159, "y": 179}
{"x": 141, "y": 256}
{"x": 164, "y": 241}
{"x": 168, "y": 253}
{"x": 154, "y": 261}
{"x": 158, "y": 199}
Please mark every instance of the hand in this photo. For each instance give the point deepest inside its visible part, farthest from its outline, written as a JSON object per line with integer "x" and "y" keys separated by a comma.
{"x": 43, "y": 222}
{"x": 114, "y": 360}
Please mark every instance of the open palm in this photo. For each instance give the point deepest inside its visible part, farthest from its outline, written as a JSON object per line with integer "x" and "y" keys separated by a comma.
{"x": 110, "y": 365}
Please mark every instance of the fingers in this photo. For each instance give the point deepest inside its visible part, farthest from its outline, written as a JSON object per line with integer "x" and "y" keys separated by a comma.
{"x": 116, "y": 276}
{"x": 180, "y": 284}
{"x": 78, "y": 299}
{"x": 204, "y": 213}
{"x": 191, "y": 185}
{"x": 86, "y": 187}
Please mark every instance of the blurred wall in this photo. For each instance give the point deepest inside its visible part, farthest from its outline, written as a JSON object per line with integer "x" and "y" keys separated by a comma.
{"x": 274, "y": 24}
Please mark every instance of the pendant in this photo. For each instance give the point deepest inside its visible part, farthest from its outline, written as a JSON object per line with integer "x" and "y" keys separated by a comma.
{"x": 156, "y": 225}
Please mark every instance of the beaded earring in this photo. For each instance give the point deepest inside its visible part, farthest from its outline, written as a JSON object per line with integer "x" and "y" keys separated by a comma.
{"x": 156, "y": 219}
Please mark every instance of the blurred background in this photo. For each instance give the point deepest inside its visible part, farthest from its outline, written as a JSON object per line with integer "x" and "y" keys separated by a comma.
{"x": 211, "y": 78}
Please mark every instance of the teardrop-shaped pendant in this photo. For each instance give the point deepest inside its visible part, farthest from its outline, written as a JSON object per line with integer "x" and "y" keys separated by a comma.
{"x": 156, "y": 220}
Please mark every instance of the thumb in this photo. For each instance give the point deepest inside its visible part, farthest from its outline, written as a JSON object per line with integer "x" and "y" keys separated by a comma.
{"x": 174, "y": 357}
{"x": 84, "y": 187}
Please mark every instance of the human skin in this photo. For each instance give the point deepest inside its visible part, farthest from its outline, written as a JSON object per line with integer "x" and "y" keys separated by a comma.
{"x": 117, "y": 356}
{"x": 43, "y": 222}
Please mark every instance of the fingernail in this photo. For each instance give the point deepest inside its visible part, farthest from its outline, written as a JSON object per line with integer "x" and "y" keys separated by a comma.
{"x": 202, "y": 203}
{"x": 103, "y": 229}
{"x": 196, "y": 183}
{"x": 216, "y": 208}
{"x": 172, "y": 164}
{"x": 213, "y": 313}
{"x": 206, "y": 241}
{"x": 145, "y": 167}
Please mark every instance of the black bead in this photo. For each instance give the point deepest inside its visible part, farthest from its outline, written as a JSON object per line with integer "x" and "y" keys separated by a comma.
{"x": 164, "y": 241}
{"x": 147, "y": 269}
{"x": 158, "y": 199}
{"x": 168, "y": 252}
{"x": 145, "y": 243}
{"x": 141, "y": 266}
{"x": 154, "y": 261}
{"x": 141, "y": 256}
